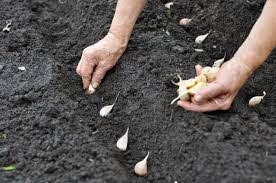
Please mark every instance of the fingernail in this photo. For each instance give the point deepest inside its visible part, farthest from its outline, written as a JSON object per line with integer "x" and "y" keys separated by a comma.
{"x": 198, "y": 98}
{"x": 95, "y": 85}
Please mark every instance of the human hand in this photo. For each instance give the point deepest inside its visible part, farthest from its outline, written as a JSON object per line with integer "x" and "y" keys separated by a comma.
{"x": 219, "y": 94}
{"x": 97, "y": 59}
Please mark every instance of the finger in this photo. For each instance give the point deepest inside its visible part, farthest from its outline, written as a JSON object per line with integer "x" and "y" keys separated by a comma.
{"x": 98, "y": 75}
{"x": 85, "y": 70}
{"x": 206, "y": 107}
{"x": 211, "y": 91}
{"x": 198, "y": 69}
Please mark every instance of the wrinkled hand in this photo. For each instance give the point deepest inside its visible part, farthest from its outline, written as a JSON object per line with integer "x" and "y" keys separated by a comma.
{"x": 219, "y": 94}
{"x": 97, "y": 59}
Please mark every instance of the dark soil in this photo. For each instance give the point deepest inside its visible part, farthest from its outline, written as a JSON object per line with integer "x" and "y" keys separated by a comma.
{"x": 52, "y": 132}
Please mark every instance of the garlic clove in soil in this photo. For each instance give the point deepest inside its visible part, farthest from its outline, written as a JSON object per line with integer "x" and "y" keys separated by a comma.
{"x": 201, "y": 38}
{"x": 198, "y": 50}
{"x": 256, "y": 100}
{"x": 122, "y": 142}
{"x": 7, "y": 28}
{"x": 90, "y": 90}
{"x": 22, "y": 68}
{"x": 107, "y": 109}
{"x": 218, "y": 62}
{"x": 141, "y": 168}
{"x": 185, "y": 21}
{"x": 168, "y": 5}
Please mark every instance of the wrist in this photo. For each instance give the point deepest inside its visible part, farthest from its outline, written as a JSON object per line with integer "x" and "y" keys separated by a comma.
{"x": 121, "y": 38}
{"x": 121, "y": 43}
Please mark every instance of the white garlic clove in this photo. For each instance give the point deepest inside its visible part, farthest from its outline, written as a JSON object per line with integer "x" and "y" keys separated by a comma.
{"x": 212, "y": 74}
{"x": 141, "y": 168}
{"x": 185, "y": 21}
{"x": 90, "y": 90}
{"x": 256, "y": 100}
{"x": 22, "y": 68}
{"x": 168, "y": 5}
{"x": 122, "y": 142}
{"x": 7, "y": 28}
{"x": 106, "y": 110}
{"x": 201, "y": 38}
{"x": 218, "y": 62}
{"x": 199, "y": 50}
{"x": 199, "y": 86}
{"x": 205, "y": 70}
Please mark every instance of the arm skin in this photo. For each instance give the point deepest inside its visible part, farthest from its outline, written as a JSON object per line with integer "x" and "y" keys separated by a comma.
{"x": 233, "y": 74}
{"x": 97, "y": 59}
{"x": 127, "y": 12}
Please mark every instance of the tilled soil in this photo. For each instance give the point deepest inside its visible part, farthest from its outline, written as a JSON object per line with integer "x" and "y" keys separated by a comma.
{"x": 51, "y": 132}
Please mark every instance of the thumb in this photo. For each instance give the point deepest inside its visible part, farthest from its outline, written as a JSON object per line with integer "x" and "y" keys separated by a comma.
{"x": 98, "y": 75}
{"x": 198, "y": 69}
{"x": 213, "y": 90}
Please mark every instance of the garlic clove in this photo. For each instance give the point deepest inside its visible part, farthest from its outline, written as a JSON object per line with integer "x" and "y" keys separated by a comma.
{"x": 90, "y": 90}
{"x": 106, "y": 110}
{"x": 201, "y": 38}
{"x": 212, "y": 74}
{"x": 185, "y": 21}
{"x": 199, "y": 86}
{"x": 218, "y": 62}
{"x": 122, "y": 142}
{"x": 190, "y": 82}
{"x": 205, "y": 70}
{"x": 22, "y": 68}
{"x": 168, "y": 5}
{"x": 256, "y": 100}
{"x": 201, "y": 78}
{"x": 141, "y": 168}
{"x": 199, "y": 50}
{"x": 184, "y": 95}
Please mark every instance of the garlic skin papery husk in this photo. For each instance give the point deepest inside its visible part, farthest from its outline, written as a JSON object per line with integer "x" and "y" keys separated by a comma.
{"x": 256, "y": 100}
{"x": 141, "y": 168}
{"x": 201, "y": 38}
{"x": 122, "y": 142}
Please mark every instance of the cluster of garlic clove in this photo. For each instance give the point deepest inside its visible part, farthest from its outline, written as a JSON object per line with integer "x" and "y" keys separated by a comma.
{"x": 188, "y": 88}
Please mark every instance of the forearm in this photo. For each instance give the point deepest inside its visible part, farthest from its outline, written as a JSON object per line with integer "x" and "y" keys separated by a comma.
{"x": 261, "y": 40}
{"x": 127, "y": 12}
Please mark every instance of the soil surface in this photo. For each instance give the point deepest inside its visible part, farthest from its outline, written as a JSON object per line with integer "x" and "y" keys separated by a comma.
{"x": 51, "y": 132}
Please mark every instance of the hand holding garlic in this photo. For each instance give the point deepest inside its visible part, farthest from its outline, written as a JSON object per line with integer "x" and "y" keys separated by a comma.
{"x": 188, "y": 88}
{"x": 97, "y": 59}
{"x": 220, "y": 93}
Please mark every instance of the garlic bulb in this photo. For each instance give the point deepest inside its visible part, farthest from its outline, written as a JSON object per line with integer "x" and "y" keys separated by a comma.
{"x": 256, "y": 100}
{"x": 201, "y": 38}
{"x": 218, "y": 62}
{"x": 185, "y": 21}
{"x": 122, "y": 142}
{"x": 141, "y": 168}
{"x": 90, "y": 90}
{"x": 107, "y": 109}
{"x": 168, "y": 5}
